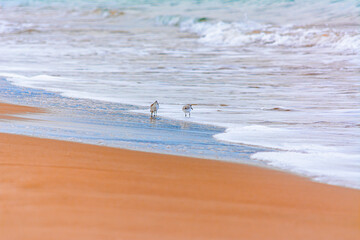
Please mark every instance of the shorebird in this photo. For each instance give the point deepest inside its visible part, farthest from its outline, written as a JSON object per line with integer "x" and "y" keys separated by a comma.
{"x": 153, "y": 108}
{"x": 187, "y": 109}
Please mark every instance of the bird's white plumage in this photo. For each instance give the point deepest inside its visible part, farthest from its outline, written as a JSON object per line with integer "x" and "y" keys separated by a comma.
{"x": 154, "y": 108}
{"x": 187, "y": 109}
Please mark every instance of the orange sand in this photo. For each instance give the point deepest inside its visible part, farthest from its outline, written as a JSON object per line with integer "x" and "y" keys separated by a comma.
{"x": 60, "y": 190}
{"x": 6, "y": 110}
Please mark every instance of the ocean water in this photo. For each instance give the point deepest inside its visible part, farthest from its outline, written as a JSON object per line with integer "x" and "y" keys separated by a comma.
{"x": 277, "y": 75}
{"x": 114, "y": 125}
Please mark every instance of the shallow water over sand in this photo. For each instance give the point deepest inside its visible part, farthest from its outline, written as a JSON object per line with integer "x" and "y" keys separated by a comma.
{"x": 276, "y": 74}
{"x": 113, "y": 125}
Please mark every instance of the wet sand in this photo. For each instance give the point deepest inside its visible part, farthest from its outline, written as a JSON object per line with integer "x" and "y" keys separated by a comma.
{"x": 62, "y": 190}
{"x": 8, "y": 110}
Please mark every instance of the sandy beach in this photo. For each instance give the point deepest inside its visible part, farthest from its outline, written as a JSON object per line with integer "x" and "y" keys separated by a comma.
{"x": 8, "y": 110}
{"x": 53, "y": 189}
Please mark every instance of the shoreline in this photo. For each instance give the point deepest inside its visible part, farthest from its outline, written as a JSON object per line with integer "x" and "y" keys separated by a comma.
{"x": 103, "y": 123}
{"x": 52, "y": 189}
{"x": 7, "y": 110}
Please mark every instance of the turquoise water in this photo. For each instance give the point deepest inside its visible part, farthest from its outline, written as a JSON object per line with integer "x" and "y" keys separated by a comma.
{"x": 279, "y": 75}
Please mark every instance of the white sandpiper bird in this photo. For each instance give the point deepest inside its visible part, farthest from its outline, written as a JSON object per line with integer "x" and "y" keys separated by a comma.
{"x": 153, "y": 108}
{"x": 187, "y": 109}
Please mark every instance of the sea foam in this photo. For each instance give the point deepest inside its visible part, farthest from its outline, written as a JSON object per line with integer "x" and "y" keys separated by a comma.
{"x": 244, "y": 33}
{"x": 326, "y": 163}
{"x": 282, "y": 75}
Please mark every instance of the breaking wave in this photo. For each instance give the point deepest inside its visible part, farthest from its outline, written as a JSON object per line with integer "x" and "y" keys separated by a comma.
{"x": 249, "y": 33}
